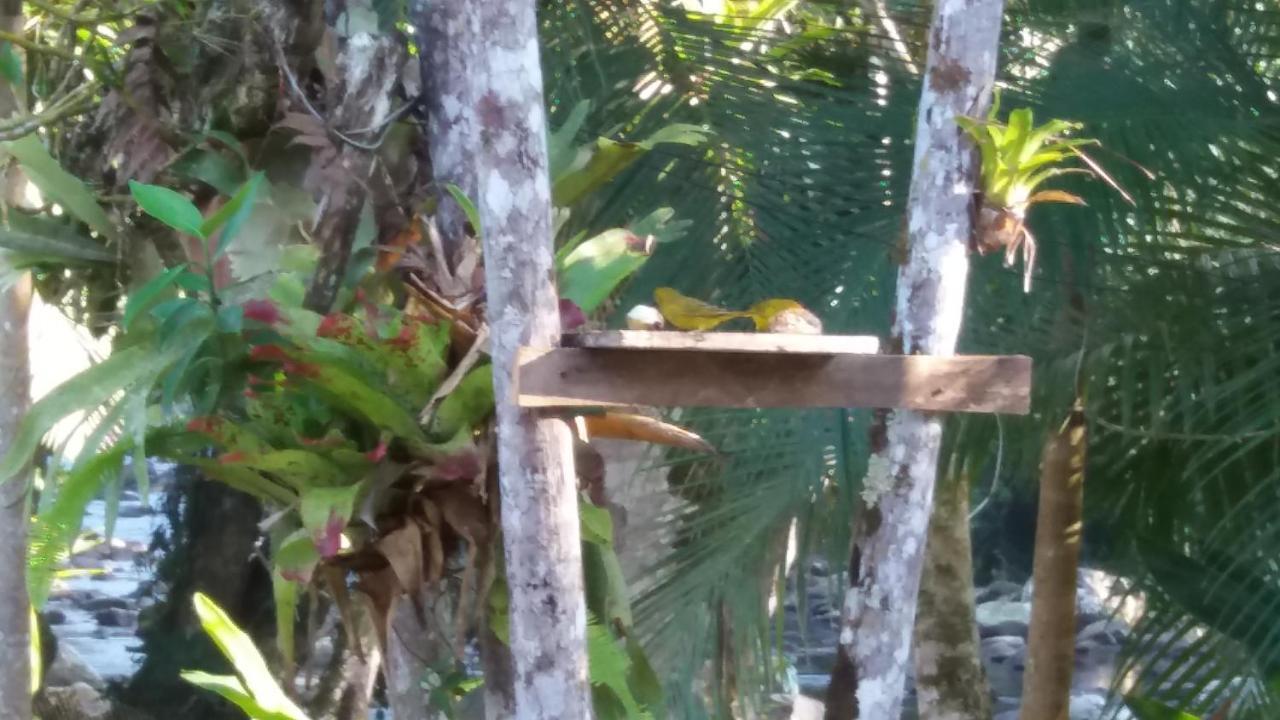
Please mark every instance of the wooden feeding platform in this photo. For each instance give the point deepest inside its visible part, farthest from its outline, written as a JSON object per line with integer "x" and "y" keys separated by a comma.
{"x": 763, "y": 370}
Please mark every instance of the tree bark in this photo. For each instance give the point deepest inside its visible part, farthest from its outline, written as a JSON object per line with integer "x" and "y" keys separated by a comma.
{"x": 15, "y": 399}
{"x": 450, "y": 41}
{"x": 1046, "y": 687}
{"x": 535, "y": 455}
{"x": 890, "y": 534}
{"x": 950, "y": 681}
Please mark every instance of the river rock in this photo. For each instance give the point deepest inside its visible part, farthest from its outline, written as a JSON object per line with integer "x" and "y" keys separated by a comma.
{"x": 68, "y": 668}
{"x": 78, "y": 701}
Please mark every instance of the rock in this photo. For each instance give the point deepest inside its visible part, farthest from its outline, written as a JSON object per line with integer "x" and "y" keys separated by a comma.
{"x": 104, "y": 603}
{"x": 69, "y": 668}
{"x": 1104, "y": 632}
{"x": 1093, "y": 706}
{"x": 1009, "y": 715}
{"x": 1016, "y": 628}
{"x": 990, "y": 614}
{"x": 134, "y": 510}
{"x": 78, "y": 701}
{"x": 115, "y": 617}
{"x": 55, "y": 617}
{"x": 1000, "y": 650}
{"x": 806, "y": 708}
{"x": 1100, "y": 595}
{"x": 999, "y": 590}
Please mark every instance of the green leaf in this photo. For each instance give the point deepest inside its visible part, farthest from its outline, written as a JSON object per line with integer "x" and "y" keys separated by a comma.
{"x": 10, "y": 64}
{"x": 35, "y": 658}
{"x": 218, "y": 170}
{"x": 58, "y": 185}
{"x": 1147, "y": 709}
{"x": 607, "y": 158}
{"x": 86, "y": 390}
{"x": 249, "y": 665}
{"x": 644, "y": 681}
{"x": 229, "y": 687}
{"x": 595, "y": 268}
{"x": 468, "y": 207}
{"x": 609, "y": 665}
{"x": 348, "y": 391}
{"x": 560, "y": 143}
{"x": 53, "y": 241}
{"x": 300, "y": 469}
{"x": 55, "y": 529}
{"x": 232, "y": 215}
{"x": 325, "y": 512}
{"x": 596, "y": 523}
{"x": 286, "y": 597}
{"x": 169, "y": 207}
{"x": 141, "y": 298}
{"x": 469, "y": 403}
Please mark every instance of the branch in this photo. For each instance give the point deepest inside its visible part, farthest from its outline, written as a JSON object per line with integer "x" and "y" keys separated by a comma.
{"x": 74, "y": 103}
{"x": 35, "y": 47}
{"x": 71, "y": 17}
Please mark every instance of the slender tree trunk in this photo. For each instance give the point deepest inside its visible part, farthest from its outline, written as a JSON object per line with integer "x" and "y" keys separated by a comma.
{"x": 950, "y": 681}
{"x": 1046, "y": 688}
{"x": 451, "y": 39}
{"x": 535, "y": 456}
{"x": 889, "y": 537}
{"x": 15, "y": 399}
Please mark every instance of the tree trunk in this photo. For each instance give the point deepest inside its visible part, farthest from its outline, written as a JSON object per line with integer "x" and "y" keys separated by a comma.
{"x": 1046, "y": 688}
{"x": 15, "y": 399}
{"x": 889, "y": 537}
{"x": 451, "y": 39}
{"x": 950, "y": 681}
{"x": 535, "y": 455}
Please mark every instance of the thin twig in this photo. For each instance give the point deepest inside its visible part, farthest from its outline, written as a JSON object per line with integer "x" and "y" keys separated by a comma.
{"x": 1195, "y": 437}
{"x": 76, "y": 102}
{"x": 32, "y": 46}
{"x": 77, "y": 19}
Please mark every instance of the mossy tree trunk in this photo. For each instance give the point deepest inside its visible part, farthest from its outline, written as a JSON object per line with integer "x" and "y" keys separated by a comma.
{"x": 950, "y": 681}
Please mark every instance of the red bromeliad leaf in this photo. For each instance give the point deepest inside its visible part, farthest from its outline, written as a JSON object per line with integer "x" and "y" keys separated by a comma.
{"x": 232, "y": 457}
{"x": 337, "y": 326}
{"x": 571, "y": 316}
{"x": 263, "y": 311}
{"x": 378, "y": 453}
{"x": 268, "y": 353}
{"x": 329, "y": 541}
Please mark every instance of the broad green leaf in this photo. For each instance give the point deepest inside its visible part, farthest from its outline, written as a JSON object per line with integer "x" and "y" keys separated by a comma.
{"x": 358, "y": 397}
{"x": 468, "y": 207}
{"x": 607, "y": 158}
{"x": 596, "y": 523}
{"x": 606, "y": 588}
{"x": 596, "y": 267}
{"x": 169, "y": 207}
{"x": 141, "y": 298}
{"x": 230, "y": 688}
{"x": 644, "y": 681}
{"x": 248, "y": 662}
{"x": 300, "y": 469}
{"x": 1147, "y": 709}
{"x": 469, "y": 403}
{"x": 561, "y": 141}
{"x": 50, "y": 240}
{"x": 58, "y": 185}
{"x": 286, "y": 597}
{"x": 296, "y": 557}
{"x": 218, "y": 170}
{"x": 232, "y": 215}
{"x": 55, "y": 528}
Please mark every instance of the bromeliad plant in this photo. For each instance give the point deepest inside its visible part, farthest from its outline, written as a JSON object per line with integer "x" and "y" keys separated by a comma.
{"x": 366, "y": 429}
{"x": 1017, "y": 159}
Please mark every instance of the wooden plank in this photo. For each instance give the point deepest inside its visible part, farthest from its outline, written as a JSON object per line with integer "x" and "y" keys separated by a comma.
{"x": 576, "y": 377}
{"x": 724, "y": 342}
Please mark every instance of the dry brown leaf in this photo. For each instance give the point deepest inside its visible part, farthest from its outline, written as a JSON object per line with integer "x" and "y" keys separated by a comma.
{"x": 403, "y": 550}
{"x": 383, "y": 591}
{"x": 628, "y": 426}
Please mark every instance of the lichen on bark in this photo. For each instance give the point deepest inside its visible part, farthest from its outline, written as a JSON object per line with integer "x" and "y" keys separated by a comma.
{"x": 880, "y": 605}
{"x": 535, "y": 455}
